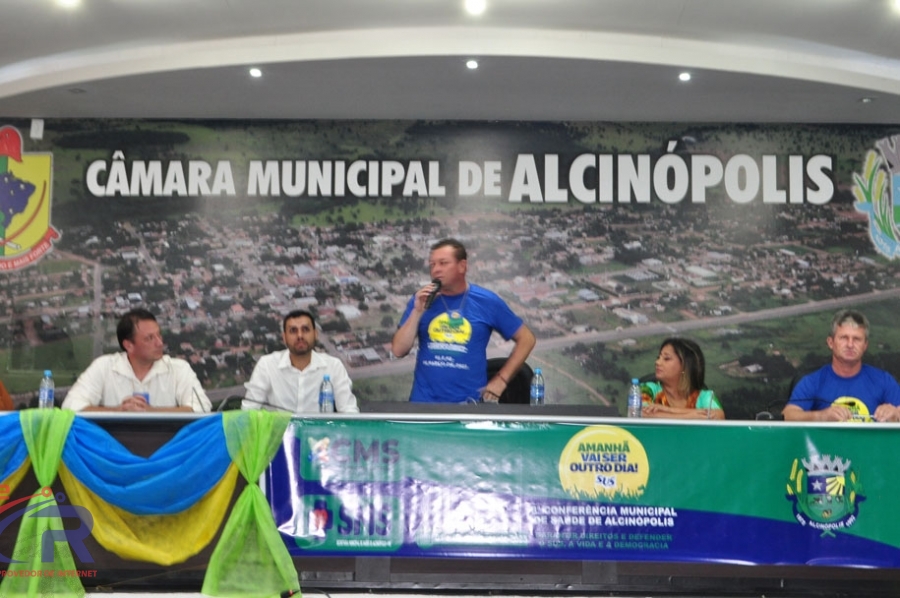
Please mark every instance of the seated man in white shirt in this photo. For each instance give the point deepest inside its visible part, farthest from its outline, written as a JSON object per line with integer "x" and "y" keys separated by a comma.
{"x": 140, "y": 377}
{"x": 289, "y": 380}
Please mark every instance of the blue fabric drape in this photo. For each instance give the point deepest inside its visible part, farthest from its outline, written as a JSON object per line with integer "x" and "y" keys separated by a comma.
{"x": 13, "y": 450}
{"x": 171, "y": 480}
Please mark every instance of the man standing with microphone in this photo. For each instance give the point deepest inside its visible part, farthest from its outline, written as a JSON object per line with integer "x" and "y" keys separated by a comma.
{"x": 453, "y": 321}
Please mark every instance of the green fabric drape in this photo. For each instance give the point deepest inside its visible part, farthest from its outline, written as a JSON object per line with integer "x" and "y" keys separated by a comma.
{"x": 250, "y": 559}
{"x": 45, "y": 432}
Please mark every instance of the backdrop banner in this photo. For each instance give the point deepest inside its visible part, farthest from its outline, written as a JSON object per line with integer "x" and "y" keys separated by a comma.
{"x": 605, "y": 238}
{"x": 757, "y": 494}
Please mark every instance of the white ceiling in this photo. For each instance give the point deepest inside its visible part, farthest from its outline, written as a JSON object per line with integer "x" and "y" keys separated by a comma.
{"x": 751, "y": 60}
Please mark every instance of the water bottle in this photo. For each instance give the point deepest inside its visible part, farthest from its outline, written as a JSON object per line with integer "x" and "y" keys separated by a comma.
{"x": 635, "y": 403}
{"x": 46, "y": 392}
{"x": 326, "y": 396}
{"x": 537, "y": 388}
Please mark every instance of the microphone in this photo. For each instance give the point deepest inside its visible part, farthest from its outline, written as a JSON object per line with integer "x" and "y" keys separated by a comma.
{"x": 430, "y": 299}
{"x": 199, "y": 402}
{"x": 769, "y": 416}
{"x": 263, "y": 403}
{"x": 814, "y": 403}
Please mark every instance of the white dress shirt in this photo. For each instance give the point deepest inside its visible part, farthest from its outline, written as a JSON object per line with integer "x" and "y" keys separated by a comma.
{"x": 277, "y": 385}
{"x": 110, "y": 379}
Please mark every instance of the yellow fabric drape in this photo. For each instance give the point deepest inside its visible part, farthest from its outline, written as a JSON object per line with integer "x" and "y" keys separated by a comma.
{"x": 13, "y": 481}
{"x": 161, "y": 539}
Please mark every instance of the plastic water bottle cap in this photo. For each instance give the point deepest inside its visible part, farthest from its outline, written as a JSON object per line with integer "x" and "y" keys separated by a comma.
{"x": 634, "y": 380}
{"x": 327, "y": 377}
{"x": 537, "y": 370}
{"x": 47, "y": 373}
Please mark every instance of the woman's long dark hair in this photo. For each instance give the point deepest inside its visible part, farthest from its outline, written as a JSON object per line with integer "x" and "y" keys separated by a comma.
{"x": 692, "y": 361}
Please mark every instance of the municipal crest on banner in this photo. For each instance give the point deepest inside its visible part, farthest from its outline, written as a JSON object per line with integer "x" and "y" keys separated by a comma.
{"x": 877, "y": 193}
{"x": 825, "y": 493}
{"x": 26, "y": 233}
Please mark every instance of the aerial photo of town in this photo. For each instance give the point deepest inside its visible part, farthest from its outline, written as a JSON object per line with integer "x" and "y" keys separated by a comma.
{"x": 600, "y": 286}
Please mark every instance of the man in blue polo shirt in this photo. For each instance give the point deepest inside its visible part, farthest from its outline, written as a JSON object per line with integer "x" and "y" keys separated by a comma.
{"x": 846, "y": 389}
{"x": 453, "y": 329}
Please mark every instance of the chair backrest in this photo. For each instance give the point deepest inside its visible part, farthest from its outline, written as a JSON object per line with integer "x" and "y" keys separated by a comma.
{"x": 774, "y": 408}
{"x": 800, "y": 373}
{"x": 519, "y": 388}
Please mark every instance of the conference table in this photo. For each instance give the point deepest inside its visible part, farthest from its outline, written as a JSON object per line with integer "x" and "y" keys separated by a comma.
{"x": 510, "y": 498}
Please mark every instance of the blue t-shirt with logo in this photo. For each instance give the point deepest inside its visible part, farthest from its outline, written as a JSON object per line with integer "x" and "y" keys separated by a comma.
{"x": 861, "y": 393}
{"x": 453, "y": 334}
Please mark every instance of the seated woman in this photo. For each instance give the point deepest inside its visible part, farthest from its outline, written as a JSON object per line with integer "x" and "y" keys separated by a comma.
{"x": 679, "y": 391}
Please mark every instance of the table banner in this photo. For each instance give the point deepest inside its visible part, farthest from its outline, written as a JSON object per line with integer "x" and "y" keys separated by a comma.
{"x": 640, "y": 491}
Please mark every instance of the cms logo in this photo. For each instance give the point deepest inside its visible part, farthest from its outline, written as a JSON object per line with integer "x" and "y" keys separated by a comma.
{"x": 356, "y": 451}
{"x": 46, "y": 509}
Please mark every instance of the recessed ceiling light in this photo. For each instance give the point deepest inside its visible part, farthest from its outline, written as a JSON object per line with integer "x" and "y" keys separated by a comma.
{"x": 896, "y": 5}
{"x": 866, "y": 100}
{"x": 685, "y": 76}
{"x": 472, "y": 64}
{"x": 68, "y": 3}
{"x": 475, "y": 7}
{"x": 255, "y": 72}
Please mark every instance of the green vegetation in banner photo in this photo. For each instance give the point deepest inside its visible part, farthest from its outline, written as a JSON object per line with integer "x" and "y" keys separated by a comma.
{"x": 763, "y": 471}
